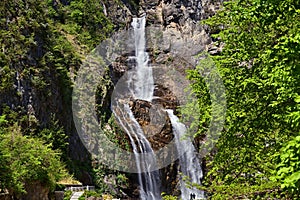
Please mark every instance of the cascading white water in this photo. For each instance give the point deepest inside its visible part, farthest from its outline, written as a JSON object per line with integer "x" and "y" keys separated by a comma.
{"x": 143, "y": 84}
{"x": 189, "y": 162}
{"x": 149, "y": 181}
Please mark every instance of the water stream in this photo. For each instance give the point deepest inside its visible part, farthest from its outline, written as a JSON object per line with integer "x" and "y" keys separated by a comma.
{"x": 143, "y": 83}
{"x": 149, "y": 182}
{"x": 189, "y": 162}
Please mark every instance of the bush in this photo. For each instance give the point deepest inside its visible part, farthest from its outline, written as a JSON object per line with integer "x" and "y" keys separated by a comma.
{"x": 67, "y": 195}
{"x": 25, "y": 160}
{"x": 288, "y": 168}
{"x": 168, "y": 197}
{"x": 88, "y": 193}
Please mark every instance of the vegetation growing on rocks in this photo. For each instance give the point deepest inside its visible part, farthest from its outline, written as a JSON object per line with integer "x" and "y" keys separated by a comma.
{"x": 43, "y": 44}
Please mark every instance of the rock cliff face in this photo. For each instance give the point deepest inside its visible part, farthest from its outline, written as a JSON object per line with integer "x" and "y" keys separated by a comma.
{"x": 158, "y": 136}
{"x": 174, "y": 35}
{"x": 36, "y": 191}
{"x": 181, "y": 36}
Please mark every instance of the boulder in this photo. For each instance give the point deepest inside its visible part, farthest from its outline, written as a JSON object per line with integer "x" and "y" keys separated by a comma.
{"x": 36, "y": 191}
{"x": 165, "y": 97}
{"x": 154, "y": 121}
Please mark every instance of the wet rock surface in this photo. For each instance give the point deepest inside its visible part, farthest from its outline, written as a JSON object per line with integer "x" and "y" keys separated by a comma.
{"x": 165, "y": 97}
{"x": 154, "y": 121}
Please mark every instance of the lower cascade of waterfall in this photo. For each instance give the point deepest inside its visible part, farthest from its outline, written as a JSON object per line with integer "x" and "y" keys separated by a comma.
{"x": 149, "y": 182}
{"x": 188, "y": 161}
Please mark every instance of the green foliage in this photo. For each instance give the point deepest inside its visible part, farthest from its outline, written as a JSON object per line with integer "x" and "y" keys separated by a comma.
{"x": 119, "y": 181}
{"x": 99, "y": 173}
{"x": 88, "y": 193}
{"x": 25, "y": 160}
{"x": 55, "y": 136}
{"x": 207, "y": 114}
{"x": 67, "y": 195}
{"x": 2, "y": 120}
{"x": 42, "y": 45}
{"x": 168, "y": 197}
{"x": 122, "y": 180}
{"x": 22, "y": 23}
{"x": 259, "y": 64}
{"x": 6, "y": 77}
{"x": 288, "y": 167}
{"x": 244, "y": 191}
{"x": 86, "y": 20}
{"x": 28, "y": 124}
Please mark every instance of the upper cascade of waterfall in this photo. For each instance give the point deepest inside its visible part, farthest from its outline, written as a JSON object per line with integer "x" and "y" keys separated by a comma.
{"x": 143, "y": 84}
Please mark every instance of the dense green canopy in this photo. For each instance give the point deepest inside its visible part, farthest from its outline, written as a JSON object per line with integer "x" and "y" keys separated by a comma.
{"x": 260, "y": 67}
{"x": 25, "y": 160}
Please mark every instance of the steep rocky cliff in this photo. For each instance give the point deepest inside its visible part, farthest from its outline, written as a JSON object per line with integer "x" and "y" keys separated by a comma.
{"x": 37, "y": 83}
{"x": 174, "y": 35}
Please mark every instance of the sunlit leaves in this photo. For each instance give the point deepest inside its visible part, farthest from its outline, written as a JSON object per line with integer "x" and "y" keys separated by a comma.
{"x": 25, "y": 160}
{"x": 260, "y": 68}
{"x": 289, "y": 166}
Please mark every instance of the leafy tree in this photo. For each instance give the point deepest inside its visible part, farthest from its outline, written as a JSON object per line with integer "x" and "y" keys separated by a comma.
{"x": 26, "y": 160}
{"x": 288, "y": 167}
{"x": 55, "y": 136}
{"x": 259, "y": 64}
{"x": 42, "y": 45}
{"x": 84, "y": 20}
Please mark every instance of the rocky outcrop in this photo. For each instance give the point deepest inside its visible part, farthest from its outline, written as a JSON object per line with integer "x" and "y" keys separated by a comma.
{"x": 35, "y": 191}
{"x": 59, "y": 195}
{"x": 120, "y": 13}
{"x": 154, "y": 122}
{"x": 165, "y": 97}
{"x": 119, "y": 67}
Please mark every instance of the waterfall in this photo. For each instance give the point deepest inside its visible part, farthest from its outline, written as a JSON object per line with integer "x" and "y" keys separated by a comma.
{"x": 141, "y": 85}
{"x": 189, "y": 162}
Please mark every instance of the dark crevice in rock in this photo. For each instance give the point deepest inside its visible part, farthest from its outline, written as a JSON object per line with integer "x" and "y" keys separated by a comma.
{"x": 132, "y": 5}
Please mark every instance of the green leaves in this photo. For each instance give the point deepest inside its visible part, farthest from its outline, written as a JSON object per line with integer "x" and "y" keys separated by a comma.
{"x": 2, "y": 120}
{"x": 87, "y": 21}
{"x": 42, "y": 45}
{"x": 288, "y": 167}
{"x": 260, "y": 68}
{"x": 25, "y": 160}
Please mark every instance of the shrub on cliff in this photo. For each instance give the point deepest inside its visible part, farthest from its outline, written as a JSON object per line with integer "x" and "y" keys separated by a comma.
{"x": 25, "y": 160}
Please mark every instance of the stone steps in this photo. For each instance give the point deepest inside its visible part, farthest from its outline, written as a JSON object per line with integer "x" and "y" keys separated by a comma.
{"x": 76, "y": 195}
